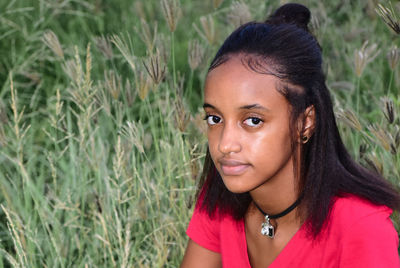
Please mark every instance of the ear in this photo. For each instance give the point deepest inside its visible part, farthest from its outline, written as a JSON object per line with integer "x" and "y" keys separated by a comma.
{"x": 307, "y": 124}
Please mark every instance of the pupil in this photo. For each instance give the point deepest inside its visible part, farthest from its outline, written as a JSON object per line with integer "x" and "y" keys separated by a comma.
{"x": 255, "y": 121}
{"x": 215, "y": 119}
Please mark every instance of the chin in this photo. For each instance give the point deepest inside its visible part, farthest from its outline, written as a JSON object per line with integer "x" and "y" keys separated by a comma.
{"x": 236, "y": 187}
{"x": 237, "y": 191}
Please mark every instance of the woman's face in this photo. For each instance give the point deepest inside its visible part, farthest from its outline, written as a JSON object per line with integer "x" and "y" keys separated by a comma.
{"x": 248, "y": 127}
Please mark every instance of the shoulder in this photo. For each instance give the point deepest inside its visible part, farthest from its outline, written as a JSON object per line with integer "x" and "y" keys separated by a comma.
{"x": 361, "y": 228}
{"x": 354, "y": 208}
{"x": 351, "y": 215}
{"x": 205, "y": 229}
{"x": 221, "y": 234}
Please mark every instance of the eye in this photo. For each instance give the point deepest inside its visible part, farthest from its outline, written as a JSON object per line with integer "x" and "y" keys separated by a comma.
{"x": 252, "y": 121}
{"x": 213, "y": 119}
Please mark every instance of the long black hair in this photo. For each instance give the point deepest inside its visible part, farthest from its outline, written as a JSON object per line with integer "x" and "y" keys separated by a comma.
{"x": 283, "y": 46}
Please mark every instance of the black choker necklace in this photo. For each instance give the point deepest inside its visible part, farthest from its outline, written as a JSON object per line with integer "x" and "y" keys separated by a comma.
{"x": 267, "y": 228}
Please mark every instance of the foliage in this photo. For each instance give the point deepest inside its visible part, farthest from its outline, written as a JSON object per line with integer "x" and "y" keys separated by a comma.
{"x": 101, "y": 137}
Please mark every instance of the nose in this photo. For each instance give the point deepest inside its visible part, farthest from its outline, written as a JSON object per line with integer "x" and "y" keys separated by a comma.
{"x": 229, "y": 140}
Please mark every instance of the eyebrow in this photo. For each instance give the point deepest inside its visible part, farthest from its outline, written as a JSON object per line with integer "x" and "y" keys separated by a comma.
{"x": 245, "y": 107}
{"x": 207, "y": 105}
{"x": 253, "y": 106}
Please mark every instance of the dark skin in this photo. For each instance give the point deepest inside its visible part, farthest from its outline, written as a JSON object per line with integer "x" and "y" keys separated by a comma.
{"x": 249, "y": 142}
{"x": 258, "y": 245}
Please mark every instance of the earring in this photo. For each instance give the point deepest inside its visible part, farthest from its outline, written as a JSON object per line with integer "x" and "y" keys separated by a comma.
{"x": 304, "y": 139}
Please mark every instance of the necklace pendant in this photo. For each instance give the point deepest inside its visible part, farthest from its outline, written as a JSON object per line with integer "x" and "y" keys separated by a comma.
{"x": 267, "y": 228}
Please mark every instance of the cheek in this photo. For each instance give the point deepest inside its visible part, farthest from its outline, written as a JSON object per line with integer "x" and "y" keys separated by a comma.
{"x": 212, "y": 143}
{"x": 271, "y": 144}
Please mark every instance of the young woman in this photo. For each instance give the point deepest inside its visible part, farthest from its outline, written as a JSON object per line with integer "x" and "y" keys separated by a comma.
{"x": 279, "y": 188}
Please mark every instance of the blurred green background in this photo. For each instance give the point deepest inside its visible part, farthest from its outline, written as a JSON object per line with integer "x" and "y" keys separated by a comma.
{"x": 101, "y": 132}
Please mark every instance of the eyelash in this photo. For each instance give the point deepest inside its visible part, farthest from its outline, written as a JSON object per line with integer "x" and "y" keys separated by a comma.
{"x": 207, "y": 116}
{"x": 252, "y": 118}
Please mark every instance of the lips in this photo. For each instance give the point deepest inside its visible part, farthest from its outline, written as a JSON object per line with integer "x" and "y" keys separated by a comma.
{"x": 231, "y": 167}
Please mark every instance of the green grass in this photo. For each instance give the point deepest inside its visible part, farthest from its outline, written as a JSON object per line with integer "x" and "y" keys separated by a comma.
{"x": 98, "y": 162}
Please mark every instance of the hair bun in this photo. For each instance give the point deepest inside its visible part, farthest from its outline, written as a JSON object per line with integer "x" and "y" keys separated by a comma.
{"x": 291, "y": 14}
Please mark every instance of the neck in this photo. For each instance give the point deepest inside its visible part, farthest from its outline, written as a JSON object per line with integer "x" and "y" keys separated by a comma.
{"x": 285, "y": 212}
{"x": 277, "y": 194}
{"x": 274, "y": 199}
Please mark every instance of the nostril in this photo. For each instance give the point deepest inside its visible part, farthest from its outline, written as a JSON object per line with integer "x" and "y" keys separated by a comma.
{"x": 229, "y": 146}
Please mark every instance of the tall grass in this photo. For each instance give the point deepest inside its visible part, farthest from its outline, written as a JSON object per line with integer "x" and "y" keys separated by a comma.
{"x": 101, "y": 138}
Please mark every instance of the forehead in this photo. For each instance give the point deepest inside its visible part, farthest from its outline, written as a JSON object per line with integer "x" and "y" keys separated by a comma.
{"x": 233, "y": 83}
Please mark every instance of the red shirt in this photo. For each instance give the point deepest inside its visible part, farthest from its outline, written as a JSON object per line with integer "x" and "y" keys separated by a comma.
{"x": 358, "y": 234}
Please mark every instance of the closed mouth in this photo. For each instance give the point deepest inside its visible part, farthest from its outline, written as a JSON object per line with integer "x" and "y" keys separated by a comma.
{"x": 232, "y": 167}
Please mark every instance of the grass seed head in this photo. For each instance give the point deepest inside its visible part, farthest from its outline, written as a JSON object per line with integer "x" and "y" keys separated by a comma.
{"x": 148, "y": 37}
{"x": 207, "y": 31}
{"x": 349, "y": 118}
{"x": 155, "y": 67}
{"x": 196, "y": 54}
{"x": 364, "y": 56}
{"x": 103, "y": 44}
{"x": 123, "y": 47}
{"x": 133, "y": 132}
{"x": 172, "y": 12}
{"x": 389, "y": 16}
{"x": 199, "y": 123}
{"x": 142, "y": 83}
{"x": 59, "y": 103}
{"x": 130, "y": 94}
{"x": 393, "y": 57}
{"x": 18, "y": 232}
{"x": 88, "y": 65}
{"x": 239, "y": 14}
{"x": 374, "y": 162}
{"x": 70, "y": 68}
{"x": 113, "y": 83}
{"x": 79, "y": 68}
{"x": 388, "y": 109}
{"x": 383, "y": 137}
{"x": 118, "y": 159}
{"x": 50, "y": 39}
{"x": 182, "y": 113}
{"x": 163, "y": 47}
{"x": 102, "y": 100}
